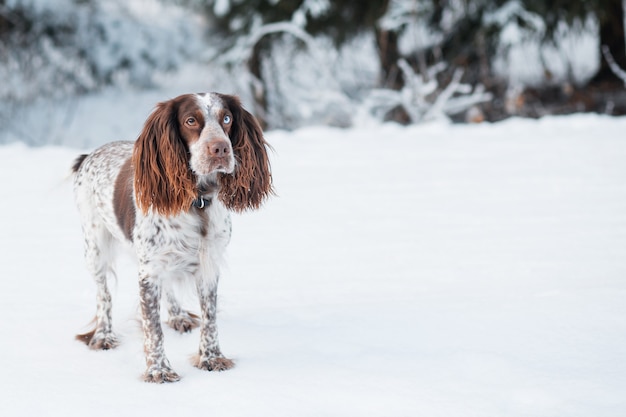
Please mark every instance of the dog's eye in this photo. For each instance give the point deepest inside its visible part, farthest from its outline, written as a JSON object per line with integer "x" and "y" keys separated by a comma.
{"x": 190, "y": 121}
{"x": 227, "y": 119}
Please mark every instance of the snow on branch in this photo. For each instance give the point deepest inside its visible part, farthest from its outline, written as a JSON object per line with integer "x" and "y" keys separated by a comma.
{"x": 242, "y": 50}
{"x": 620, "y": 73}
{"x": 296, "y": 84}
{"x": 422, "y": 98}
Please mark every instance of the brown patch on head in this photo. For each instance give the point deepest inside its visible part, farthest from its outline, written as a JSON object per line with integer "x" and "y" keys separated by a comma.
{"x": 190, "y": 118}
{"x": 251, "y": 183}
{"x": 163, "y": 180}
{"x": 223, "y": 113}
{"x": 123, "y": 203}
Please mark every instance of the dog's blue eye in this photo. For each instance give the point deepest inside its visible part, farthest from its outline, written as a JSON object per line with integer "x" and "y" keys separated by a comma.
{"x": 227, "y": 119}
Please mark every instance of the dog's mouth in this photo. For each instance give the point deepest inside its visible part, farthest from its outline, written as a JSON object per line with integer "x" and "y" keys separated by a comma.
{"x": 207, "y": 164}
{"x": 221, "y": 164}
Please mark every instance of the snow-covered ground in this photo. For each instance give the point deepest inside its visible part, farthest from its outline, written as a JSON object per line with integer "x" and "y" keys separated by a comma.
{"x": 435, "y": 270}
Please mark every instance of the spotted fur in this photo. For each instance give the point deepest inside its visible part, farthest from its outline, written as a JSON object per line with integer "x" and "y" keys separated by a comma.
{"x": 142, "y": 194}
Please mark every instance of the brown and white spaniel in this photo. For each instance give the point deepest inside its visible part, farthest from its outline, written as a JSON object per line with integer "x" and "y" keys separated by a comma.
{"x": 168, "y": 197}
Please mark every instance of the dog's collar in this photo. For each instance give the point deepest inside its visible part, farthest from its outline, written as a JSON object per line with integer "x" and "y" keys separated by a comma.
{"x": 202, "y": 202}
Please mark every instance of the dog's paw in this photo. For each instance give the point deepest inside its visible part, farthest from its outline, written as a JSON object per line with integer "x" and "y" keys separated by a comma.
{"x": 99, "y": 340}
{"x": 217, "y": 364}
{"x": 184, "y": 322}
{"x": 106, "y": 342}
{"x": 159, "y": 375}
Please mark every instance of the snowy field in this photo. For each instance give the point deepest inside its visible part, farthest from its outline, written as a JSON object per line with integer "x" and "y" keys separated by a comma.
{"x": 434, "y": 270}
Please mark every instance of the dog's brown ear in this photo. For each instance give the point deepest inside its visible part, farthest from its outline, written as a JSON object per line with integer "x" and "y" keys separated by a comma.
{"x": 251, "y": 183}
{"x": 163, "y": 180}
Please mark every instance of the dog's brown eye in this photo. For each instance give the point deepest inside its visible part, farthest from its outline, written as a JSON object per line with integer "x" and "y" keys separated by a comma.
{"x": 190, "y": 121}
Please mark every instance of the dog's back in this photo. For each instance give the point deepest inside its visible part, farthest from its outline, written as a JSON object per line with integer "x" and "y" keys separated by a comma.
{"x": 94, "y": 188}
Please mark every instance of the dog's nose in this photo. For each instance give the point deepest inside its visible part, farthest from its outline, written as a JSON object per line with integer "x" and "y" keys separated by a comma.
{"x": 219, "y": 148}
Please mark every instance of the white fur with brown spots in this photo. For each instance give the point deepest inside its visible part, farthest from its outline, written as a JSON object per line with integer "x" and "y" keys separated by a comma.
{"x": 144, "y": 194}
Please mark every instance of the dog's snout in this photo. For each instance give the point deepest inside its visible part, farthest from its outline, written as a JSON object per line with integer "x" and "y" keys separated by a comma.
{"x": 219, "y": 148}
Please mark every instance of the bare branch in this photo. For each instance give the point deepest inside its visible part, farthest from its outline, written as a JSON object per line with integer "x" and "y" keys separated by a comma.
{"x": 620, "y": 73}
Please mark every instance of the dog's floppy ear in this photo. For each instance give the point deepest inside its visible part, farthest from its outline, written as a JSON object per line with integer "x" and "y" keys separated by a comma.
{"x": 251, "y": 183}
{"x": 163, "y": 180}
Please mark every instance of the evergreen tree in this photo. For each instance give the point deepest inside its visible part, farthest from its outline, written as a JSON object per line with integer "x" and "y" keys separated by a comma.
{"x": 472, "y": 41}
{"x": 341, "y": 20}
{"x": 609, "y": 15}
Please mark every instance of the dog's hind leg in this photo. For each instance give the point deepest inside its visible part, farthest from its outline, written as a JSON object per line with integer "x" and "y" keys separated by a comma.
{"x": 180, "y": 319}
{"x": 98, "y": 256}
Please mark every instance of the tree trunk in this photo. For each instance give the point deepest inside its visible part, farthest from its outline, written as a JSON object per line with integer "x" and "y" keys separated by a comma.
{"x": 258, "y": 86}
{"x": 388, "y": 56}
{"x": 390, "y": 73}
{"x": 611, "y": 22}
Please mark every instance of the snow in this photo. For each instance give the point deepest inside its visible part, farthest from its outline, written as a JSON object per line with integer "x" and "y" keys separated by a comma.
{"x": 80, "y": 47}
{"x": 436, "y": 270}
{"x": 221, "y": 7}
{"x": 62, "y": 48}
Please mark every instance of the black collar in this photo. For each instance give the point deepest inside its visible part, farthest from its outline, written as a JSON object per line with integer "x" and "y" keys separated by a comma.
{"x": 202, "y": 202}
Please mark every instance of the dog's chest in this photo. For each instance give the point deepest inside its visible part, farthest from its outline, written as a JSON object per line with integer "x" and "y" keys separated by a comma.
{"x": 184, "y": 242}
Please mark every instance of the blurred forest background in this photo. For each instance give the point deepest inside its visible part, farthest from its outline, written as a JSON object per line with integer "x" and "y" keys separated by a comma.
{"x": 303, "y": 62}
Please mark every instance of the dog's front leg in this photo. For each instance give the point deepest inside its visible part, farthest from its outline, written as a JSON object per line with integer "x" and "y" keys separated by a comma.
{"x": 209, "y": 356}
{"x": 158, "y": 369}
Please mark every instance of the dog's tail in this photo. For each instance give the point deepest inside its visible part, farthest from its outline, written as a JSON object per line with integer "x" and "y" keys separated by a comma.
{"x": 78, "y": 162}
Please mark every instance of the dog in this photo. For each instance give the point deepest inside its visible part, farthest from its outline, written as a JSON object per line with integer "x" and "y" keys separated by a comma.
{"x": 168, "y": 196}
